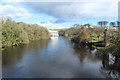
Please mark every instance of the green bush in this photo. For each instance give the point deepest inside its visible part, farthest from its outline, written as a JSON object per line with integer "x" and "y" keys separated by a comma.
{"x": 14, "y": 33}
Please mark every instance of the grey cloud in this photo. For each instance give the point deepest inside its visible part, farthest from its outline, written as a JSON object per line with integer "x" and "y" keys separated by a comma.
{"x": 72, "y": 11}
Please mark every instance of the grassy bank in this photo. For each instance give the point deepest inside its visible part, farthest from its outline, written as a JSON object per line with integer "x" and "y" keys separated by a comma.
{"x": 14, "y": 33}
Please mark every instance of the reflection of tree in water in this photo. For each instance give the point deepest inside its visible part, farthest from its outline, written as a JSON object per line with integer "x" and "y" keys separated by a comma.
{"x": 85, "y": 52}
{"x": 111, "y": 63}
{"x": 13, "y": 54}
{"x": 81, "y": 52}
{"x": 36, "y": 46}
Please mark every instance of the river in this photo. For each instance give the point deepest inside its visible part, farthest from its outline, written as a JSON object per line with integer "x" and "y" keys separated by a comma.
{"x": 55, "y": 58}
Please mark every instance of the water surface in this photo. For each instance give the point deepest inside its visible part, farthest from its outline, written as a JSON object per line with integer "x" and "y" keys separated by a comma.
{"x": 55, "y": 58}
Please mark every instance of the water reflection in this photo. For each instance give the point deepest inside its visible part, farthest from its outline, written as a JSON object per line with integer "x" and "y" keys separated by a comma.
{"x": 13, "y": 54}
{"x": 86, "y": 53}
{"x": 56, "y": 58}
{"x": 111, "y": 66}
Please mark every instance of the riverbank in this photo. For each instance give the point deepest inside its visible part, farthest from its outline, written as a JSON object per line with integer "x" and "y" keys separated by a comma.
{"x": 96, "y": 36}
{"x": 19, "y": 33}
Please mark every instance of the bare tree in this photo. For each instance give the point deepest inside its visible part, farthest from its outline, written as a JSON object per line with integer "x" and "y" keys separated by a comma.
{"x": 112, "y": 24}
{"x": 88, "y": 25}
{"x": 105, "y": 23}
{"x": 118, "y": 23}
{"x": 102, "y": 23}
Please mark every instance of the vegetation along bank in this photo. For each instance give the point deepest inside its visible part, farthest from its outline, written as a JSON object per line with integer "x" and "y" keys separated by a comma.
{"x": 17, "y": 33}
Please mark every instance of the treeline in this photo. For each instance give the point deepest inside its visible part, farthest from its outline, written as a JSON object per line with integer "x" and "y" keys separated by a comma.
{"x": 113, "y": 24}
{"x": 17, "y": 33}
{"x": 86, "y": 34}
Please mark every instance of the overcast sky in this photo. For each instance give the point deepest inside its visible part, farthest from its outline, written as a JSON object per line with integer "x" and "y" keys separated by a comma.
{"x": 60, "y": 14}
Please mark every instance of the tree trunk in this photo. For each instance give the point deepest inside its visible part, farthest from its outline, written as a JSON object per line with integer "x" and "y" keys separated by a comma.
{"x": 106, "y": 38}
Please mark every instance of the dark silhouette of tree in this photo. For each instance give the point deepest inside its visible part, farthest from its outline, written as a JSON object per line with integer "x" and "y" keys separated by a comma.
{"x": 102, "y": 23}
{"x": 88, "y": 25}
{"x": 112, "y": 24}
{"x": 105, "y": 23}
{"x": 118, "y": 23}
